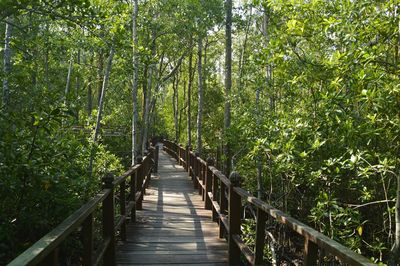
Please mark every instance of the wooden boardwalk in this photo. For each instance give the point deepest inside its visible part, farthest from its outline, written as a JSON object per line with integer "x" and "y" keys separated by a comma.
{"x": 173, "y": 228}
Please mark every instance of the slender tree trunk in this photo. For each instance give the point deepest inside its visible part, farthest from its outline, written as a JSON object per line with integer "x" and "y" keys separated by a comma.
{"x": 395, "y": 250}
{"x": 200, "y": 94}
{"x": 268, "y": 69}
{"x": 46, "y": 58}
{"x": 175, "y": 102}
{"x": 90, "y": 93}
{"x": 148, "y": 95}
{"x": 135, "y": 115}
{"x": 184, "y": 101}
{"x": 228, "y": 84}
{"x": 7, "y": 63}
{"x": 260, "y": 187}
{"x": 243, "y": 52}
{"x": 78, "y": 84}
{"x": 100, "y": 76}
{"x": 67, "y": 85}
{"x": 190, "y": 81}
{"x": 101, "y": 104}
{"x": 103, "y": 92}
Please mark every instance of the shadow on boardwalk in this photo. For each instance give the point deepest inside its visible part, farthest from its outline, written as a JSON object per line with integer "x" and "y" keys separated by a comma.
{"x": 173, "y": 228}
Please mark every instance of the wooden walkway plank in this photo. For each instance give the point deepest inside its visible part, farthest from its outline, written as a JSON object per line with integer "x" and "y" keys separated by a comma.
{"x": 173, "y": 228}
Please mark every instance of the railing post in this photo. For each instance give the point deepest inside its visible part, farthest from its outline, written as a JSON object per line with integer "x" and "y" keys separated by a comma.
{"x": 199, "y": 175}
{"x": 87, "y": 241}
{"x": 214, "y": 193}
{"x": 260, "y": 237}
{"x": 156, "y": 156}
{"x": 310, "y": 252}
{"x": 223, "y": 203}
{"x": 194, "y": 178}
{"x": 139, "y": 182}
{"x": 52, "y": 258}
{"x": 234, "y": 213}
{"x": 187, "y": 158}
{"x": 133, "y": 195}
{"x": 108, "y": 220}
{"x": 122, "y": 206}
{"x": 208, "y": 184}
{"x": 203, "y": 181}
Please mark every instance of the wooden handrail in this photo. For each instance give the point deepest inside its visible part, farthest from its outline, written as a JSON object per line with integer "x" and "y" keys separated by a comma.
{"x": 44, "y": 251}
{"x": 224, "y": 198}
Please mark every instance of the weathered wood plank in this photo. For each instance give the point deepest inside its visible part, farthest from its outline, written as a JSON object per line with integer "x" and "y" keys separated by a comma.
{"x": 173, "y": 228}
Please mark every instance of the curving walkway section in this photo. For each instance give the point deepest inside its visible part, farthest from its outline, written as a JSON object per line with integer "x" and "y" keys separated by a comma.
{"x": 173, "y": 228}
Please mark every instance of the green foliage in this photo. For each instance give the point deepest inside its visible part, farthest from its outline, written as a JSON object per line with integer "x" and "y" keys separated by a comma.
{"x": 315, "y": 103}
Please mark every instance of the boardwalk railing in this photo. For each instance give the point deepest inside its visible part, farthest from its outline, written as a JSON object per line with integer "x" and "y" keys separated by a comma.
{"x": 224, "y": 197}
{"x": 125, "y": 191}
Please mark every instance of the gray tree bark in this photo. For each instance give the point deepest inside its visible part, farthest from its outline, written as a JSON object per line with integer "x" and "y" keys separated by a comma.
{"x": 395, "y": 250}
{"x": 101, "y": 104}
{"x": 146, "y": 113}
{"x": 228, "y": 83}
{"x": 190, "y": 81}
{"x": 175, "y": 104}
{"x": 7, "y": 63}
{"x": 268, "y": 69}
{"x": 135, "y": 115}
{"x": 199, "y": 94}
{"x": 67, "y": 85}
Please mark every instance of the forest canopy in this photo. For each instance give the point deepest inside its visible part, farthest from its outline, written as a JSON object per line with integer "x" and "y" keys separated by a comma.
{"x": 306, "y": 108}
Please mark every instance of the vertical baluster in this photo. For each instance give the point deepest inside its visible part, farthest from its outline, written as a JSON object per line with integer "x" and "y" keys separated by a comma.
{"x": 52, "y": 258}
{"x": 147, "y": 177}
{"x": 234, "y": 215}
{"x": 203, "y": 180}
{"x": 133, "y": 195}
{"x": 122, "y": 208}
{"x": 87, "y": 241}
{"x": 208, "y": 183}
{"x": 199, "y": 175}
{"x": 139, "y": 182}
{"x": 194, "y": 178}
{"x": 223, "y": 207}
{"x": 260, "y": 237}
{"x": 108, "y": 221}
{"x": 156, "y": 156}
{"x": 310, "y": 252}
{"x": 214, "y": 193}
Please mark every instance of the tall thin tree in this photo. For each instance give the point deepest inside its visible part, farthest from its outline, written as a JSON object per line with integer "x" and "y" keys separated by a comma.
{"x": 7, "y": 63}
{"x": 135, "y": 116}
{"x": 101, "y": 104}
{"x": 190, "y": 81}
{"x": 199, "y": 93}
{"x": 228, "y": 83}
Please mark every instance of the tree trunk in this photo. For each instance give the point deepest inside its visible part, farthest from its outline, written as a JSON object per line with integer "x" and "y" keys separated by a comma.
{"x": 395, "y": 251}
{"x": 175, "y": 104}
{"x": 260, "y": 188}
{"x": 7, "y": 64}
{"x": 148, "y": 95}
{"x": 228, "y": 84}
{"x": 268, "y": 69}
{"x": 78, "y": 84}
{"x": 190, "y": 81}
{"x": 100, "y": 75}
{"x": 184, "y": 101}
{"x": 135, "y": 115}
{"x": 243, "y": 52}
{"x": 199, "y": 94}
{"x": 101, "y": 104}
{"x": 67, "y": 85}
{"x": 90, "y": 93}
